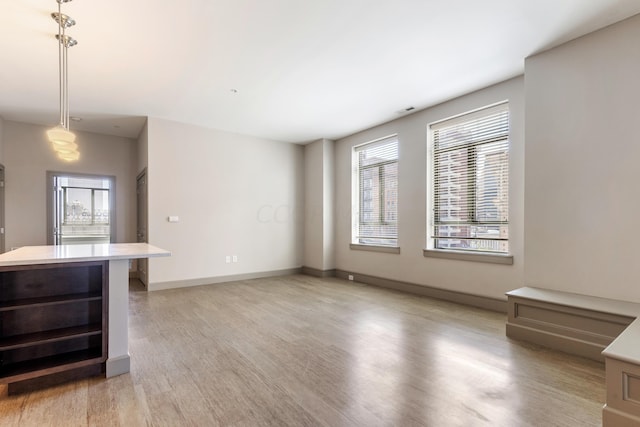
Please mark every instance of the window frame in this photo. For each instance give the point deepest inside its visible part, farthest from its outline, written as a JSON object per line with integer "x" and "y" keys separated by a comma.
{"x": 65, "y": 208}
{"x": 431, "y": 238}
{"x": 358, "y": 201}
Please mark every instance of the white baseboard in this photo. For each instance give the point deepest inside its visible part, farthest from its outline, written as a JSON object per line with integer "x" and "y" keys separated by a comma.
{"x": 158, "y": 286}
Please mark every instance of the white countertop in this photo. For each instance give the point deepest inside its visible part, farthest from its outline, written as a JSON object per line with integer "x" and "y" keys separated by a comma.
{"x": 28, "y": 255}
{"x": 626, "y": 347}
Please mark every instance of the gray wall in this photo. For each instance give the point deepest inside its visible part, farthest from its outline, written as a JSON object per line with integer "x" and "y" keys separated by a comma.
{"x": 28, "y": 156}
{"x": 244, "y": 196}
{"x": 234, "y": 195}
{"x": 328, "y": 205}
{"x": 319, "y": 231}
{"x": 410, "y": 266}
{"x": 582, "y": 174}
{"x": 313, "y": 203}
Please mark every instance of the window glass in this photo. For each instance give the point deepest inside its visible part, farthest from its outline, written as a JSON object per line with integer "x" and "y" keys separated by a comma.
{"x": 376, "y": 177}
{"x": 470, "y": 182}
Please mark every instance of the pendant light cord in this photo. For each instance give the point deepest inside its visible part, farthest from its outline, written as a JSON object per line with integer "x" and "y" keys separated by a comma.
{"x": 60, "y": 66}
{"x": 66, "y": 79}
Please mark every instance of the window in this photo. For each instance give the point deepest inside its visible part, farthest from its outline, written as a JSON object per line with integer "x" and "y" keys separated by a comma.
{"x": 469, "y": 159}
{"x": 376, "y": 193}
{"x": 80, "y": 208}
{"x": 85, "y": 206}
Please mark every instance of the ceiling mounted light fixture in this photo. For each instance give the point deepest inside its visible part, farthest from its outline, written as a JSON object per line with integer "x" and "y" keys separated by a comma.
{"x": 62, "y": 139}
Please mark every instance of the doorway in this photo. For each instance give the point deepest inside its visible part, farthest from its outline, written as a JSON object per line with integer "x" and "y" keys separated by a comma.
{"x": 141, "y": 226}
{"x": 80, "y": 209}
{"x": 1, "y": 209}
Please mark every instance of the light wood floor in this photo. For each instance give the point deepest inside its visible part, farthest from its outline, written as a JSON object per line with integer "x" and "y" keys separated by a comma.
{"x": 303, "y": 351}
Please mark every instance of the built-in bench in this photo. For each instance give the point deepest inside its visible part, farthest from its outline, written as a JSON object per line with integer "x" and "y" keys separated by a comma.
{"x": 598, "y": 328}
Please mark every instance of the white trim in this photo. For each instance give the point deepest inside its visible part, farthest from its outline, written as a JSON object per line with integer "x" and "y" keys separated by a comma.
{"x": 117, "y": 365}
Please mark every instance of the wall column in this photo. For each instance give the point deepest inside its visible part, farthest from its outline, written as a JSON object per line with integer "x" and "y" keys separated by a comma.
{"x": 319, "y": 219}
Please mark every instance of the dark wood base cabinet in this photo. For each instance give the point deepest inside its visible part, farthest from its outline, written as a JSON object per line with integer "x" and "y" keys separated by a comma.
{"x": 53, "y": 323}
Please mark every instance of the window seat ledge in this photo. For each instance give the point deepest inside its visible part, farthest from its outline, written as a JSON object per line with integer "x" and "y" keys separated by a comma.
{"x": 372, "y": 248}
{"x": 469, "y": 256}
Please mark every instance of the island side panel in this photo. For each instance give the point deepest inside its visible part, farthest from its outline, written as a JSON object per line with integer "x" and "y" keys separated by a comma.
{"x": 118, "y": 361}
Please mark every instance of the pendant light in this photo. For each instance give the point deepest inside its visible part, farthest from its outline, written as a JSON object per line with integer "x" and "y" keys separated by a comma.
{"x": 62, "y": 139}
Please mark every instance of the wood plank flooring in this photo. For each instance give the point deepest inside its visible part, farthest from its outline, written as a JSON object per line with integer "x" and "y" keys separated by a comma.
{"x": 304, "y": 351}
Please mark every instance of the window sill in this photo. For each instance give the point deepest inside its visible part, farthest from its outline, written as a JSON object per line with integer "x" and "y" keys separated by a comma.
{"x": 371, "y": 248}
{"x": 469, "y": 256}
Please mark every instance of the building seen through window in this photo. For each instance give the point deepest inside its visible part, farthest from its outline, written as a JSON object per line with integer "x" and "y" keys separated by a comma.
{"x": 470, "y": 163}
{"x": 377, "y": 177}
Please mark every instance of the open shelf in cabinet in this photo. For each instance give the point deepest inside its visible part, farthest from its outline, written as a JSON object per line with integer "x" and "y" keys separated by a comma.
{"x": 37, "y": 338}
{"x": 53, "y": 318}
{"x": 30, "y": 303}
{"x": 49, "y": 365}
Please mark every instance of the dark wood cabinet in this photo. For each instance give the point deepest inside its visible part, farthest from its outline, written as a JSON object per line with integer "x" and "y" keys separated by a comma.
{"x": 53, "y": 323}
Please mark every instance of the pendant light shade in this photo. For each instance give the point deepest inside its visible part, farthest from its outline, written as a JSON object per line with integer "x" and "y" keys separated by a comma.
{"x": 61, "y": 138}
{"x": 66, "y": 150}
{"x": 69, "y": 157}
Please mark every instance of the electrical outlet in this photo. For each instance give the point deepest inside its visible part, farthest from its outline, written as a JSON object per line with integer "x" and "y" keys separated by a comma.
{"x": 351, "y": 277}
{"x": 227, "y": 259}
{"x": 235, "y": 258}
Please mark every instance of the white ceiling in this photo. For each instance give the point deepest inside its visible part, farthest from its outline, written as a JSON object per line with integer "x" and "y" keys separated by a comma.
{"x": 303, "y": 69}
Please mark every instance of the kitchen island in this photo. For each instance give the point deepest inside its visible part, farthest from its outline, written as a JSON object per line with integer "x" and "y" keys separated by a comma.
{"x": 64, "y": 312}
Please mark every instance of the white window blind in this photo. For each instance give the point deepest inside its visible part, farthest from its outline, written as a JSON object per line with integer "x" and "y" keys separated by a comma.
{"x": 377, "y": 186}
{"x": 470, "y": 193}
